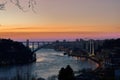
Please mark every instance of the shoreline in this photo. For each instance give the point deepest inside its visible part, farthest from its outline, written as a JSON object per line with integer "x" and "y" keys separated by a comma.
{"x": 94, "y": 60}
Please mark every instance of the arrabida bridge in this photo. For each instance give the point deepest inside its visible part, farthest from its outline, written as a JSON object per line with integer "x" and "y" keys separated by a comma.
{"x": 36, "y": 45}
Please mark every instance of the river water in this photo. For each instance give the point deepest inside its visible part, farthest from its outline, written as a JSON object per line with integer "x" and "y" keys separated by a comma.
{"x": 48, "y": 64}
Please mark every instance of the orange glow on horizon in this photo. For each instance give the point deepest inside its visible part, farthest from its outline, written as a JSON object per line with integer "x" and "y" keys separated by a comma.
{"x": 54, "y": 32}
{"x": 60, "y": 28}
{"x": 57, "y": 35}
{"x": 89, "y": 18}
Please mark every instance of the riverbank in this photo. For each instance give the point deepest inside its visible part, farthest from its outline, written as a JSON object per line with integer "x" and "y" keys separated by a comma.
{"x": 47, "y": 66}
{"x": 89, "y": 74}
{"x": 15, "y": 53}
{"x": 93, "y": 58}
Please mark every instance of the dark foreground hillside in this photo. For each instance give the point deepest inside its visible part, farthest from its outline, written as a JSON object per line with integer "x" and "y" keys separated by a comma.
{"x": 12, "y": 52}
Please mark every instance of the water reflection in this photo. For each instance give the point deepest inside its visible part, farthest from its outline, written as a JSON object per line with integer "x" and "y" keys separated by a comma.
{"x": 14, "y": 72}
{"x": 49, "y": 62}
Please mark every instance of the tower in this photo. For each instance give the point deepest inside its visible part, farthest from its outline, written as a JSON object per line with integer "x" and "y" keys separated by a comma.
{"x": 27, "y": 43}
{"x": 92, "y": 52}
{"x": 90, "y": 46}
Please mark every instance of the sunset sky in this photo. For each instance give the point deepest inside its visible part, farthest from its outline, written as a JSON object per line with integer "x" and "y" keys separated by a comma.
{"x": 75, "y": 18}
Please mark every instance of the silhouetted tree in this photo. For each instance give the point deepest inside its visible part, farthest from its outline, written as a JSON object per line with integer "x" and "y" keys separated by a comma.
{"x": 69, "y": 72}
{"x": 61, "y": 75}
{"x": 12, "y": 52}
{"x": 111, "y": 43}
{"x": 66, "y": 74}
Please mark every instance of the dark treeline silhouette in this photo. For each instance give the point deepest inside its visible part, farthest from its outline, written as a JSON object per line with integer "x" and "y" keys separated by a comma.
{"x": 66, "y": 74}
{"x": 12, "y": 52}
{"x": 111, "y": 43}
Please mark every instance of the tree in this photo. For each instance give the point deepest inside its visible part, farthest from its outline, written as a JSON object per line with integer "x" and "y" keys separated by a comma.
{"x": 66, "y": 74}
{"x": 69, "y": 73}
{"x": 30, "y": 4}
{"x": 12, "y": 52}
{"x": 61, "y": 75}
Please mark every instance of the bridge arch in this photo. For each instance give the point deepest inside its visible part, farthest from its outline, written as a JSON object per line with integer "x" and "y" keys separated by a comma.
{"x": 36, "y": 45}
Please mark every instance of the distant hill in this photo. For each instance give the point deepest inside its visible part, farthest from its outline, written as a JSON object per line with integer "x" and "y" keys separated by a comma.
{"x": 111, "y": 43}
{"x": 12, "y": 52}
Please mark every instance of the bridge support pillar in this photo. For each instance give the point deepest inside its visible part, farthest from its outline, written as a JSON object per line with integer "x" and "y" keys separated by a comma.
{"x": 38, "y": 44}
{"x": 33, "y": 47}
{"x": 27, "y": 43}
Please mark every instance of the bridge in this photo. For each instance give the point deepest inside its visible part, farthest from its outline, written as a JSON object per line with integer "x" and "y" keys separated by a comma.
{"x": 36, "y": 45}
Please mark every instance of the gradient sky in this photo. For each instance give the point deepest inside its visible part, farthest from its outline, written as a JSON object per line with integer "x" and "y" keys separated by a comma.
{"x": 83, "y": 16}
